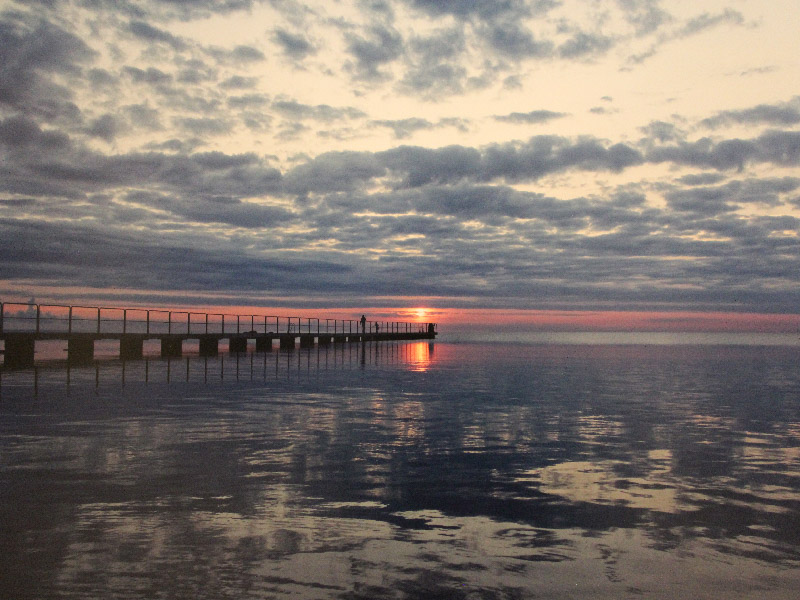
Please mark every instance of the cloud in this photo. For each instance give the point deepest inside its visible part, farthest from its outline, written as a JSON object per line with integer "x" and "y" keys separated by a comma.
{"x": 185, "y": 10}
{"x": 142, "y": 116}
{"x": 513, "y": 40}
{"x": 321, "y": 112}
{"x": 688, "y": 28}
{"x": 542, "y": 155}
{"x": 151, "y": 75}
{"x": 646, "y": 16}
{"x": 775, "y": 147}
{"x": 534, "y": 116}
{"x": 24, "y": 135}
{"x": 701, "y": 179}
{"x": 105, "y": 127}
{"x": 433, "y": 63}
{"x": 295, "y": 46}
{"x": 707, "y": 21}
{"x": 405, "y": 128}
{"x": 149, "y": 33}
{"x": 30, "y": 50}
{"x": 435, "y": 80}
{"x": 212, "y": 209}
{"x": 372, "y": 53}
{"x": 483, "y": 9}
{"x": 416, "y": 166}
{"x": 238, "y": 82}
{"x": 333, "y": 172}
{"x": 247, "y": 54}
{"x": 785, "y": 114}
{"x": 584, "y": 44}
{"x": 661, "y": 132}
{"x": 204, "y": 126}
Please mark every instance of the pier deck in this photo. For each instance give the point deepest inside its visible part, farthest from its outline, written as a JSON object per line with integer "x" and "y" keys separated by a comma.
{"x": 22, "y": 325}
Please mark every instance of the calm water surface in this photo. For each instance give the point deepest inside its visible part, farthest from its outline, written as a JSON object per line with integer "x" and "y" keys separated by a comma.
{"x": 408, "y": 470}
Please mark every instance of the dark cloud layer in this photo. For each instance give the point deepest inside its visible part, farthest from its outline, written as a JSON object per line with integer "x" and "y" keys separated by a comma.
{"x": 110, "y": 176}
{"x": 448, "y": 226}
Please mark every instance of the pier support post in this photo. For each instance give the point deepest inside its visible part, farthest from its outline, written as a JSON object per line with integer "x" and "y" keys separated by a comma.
{"x": 263, "y": 344}
{"x": 324, "y": 340}
{"x": 306, "y": 341}
{"x": 209, "y": 346}
{"x": 237, "y": 344}
{"x": 287, "y": 342}
{"x": 171, "y": 347}
{"x": 80, "y": 350}
{"x": 131, "y": 348}
{"x": 19, "y": 352}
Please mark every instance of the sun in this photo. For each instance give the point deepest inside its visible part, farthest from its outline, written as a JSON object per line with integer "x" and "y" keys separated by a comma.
{"x": 421, "y": 312}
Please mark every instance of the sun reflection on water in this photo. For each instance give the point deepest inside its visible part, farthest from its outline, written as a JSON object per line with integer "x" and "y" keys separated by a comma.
{"x": 420, "y": 356}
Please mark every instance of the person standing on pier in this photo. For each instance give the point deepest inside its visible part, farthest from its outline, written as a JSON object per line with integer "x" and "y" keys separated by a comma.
{"x": 363, "y": 324}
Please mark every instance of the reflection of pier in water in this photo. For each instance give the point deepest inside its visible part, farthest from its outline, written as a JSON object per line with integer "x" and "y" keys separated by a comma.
{"x": 248, "y": 366}
{"x": 22, "y": 326}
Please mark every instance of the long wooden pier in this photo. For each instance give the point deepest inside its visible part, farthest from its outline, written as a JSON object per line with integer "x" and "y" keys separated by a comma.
{"x": 22, "y": 325}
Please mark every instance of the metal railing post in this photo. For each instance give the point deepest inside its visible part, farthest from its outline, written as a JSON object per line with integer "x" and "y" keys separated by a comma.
{"x": 98, "y": 320}
{"x": 169, "y": 322}
{"x": 69, "y": 322}
{"x": 206, "y": 322}
{"x": 147, "y": 329}
{"x": 189, "y": 323}
{"x": 237, "y": 323}
{"x": 125, "y": 320}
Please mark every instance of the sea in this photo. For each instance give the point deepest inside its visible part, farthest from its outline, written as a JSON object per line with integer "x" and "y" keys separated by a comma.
{"x": 547, "y": 466}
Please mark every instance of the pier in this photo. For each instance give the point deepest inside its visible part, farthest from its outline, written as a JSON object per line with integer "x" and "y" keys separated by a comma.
{"x": 23, "y": 324}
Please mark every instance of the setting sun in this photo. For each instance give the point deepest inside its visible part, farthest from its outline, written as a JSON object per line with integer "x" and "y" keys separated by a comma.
{"x": 421, "y": 313}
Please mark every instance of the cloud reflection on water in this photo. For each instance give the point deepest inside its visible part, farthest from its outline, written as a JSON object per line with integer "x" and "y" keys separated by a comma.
{"x": 495, "y": 471}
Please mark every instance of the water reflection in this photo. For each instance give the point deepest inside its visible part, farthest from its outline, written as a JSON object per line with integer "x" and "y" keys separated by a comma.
{"x": 251, "y": 365}
{"x": 492, "y": 472}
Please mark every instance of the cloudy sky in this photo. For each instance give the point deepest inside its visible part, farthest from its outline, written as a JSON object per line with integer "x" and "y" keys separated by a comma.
{"x": 491, "y": 156}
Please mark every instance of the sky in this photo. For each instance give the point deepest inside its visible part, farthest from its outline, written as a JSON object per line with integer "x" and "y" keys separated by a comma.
{"x": 561, "y": 163}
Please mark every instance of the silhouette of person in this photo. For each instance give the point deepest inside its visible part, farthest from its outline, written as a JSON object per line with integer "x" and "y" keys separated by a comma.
{"x": 377, "y": 327}
{"x": 363, "y": 324}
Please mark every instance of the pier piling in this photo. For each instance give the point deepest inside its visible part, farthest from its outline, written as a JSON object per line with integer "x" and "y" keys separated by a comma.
{"x": 209, "y": 346}
{"x": 171, "y": 347}
{"x": 131, "y": 348}
{"x": 238, "y": 344}
{"x": 19, "y": 351}
{"x": 80, "y": 350}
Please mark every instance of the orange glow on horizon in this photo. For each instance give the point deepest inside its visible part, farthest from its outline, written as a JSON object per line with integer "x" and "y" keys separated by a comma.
{"x": 507, "y": 320}
{"x": 652, "y": 321}
{"x": 452, "y": 319}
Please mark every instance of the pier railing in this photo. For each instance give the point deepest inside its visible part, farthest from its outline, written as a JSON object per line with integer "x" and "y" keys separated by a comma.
{"x": 21, "y": 317}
